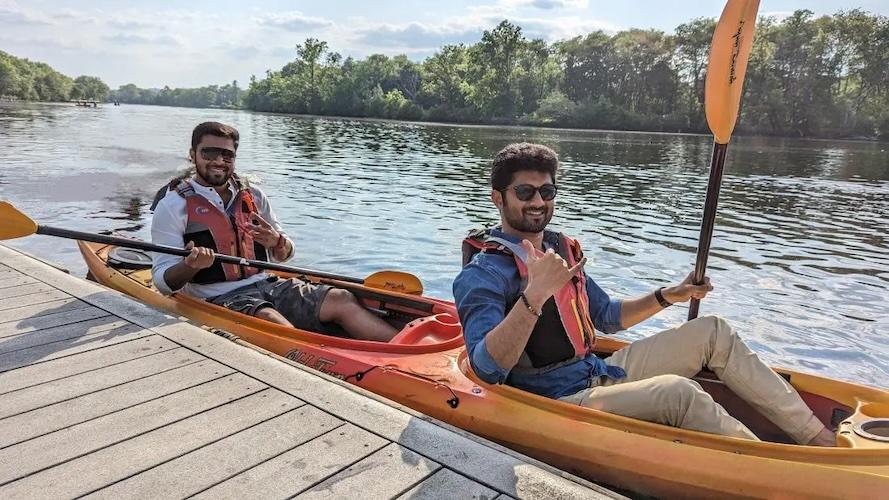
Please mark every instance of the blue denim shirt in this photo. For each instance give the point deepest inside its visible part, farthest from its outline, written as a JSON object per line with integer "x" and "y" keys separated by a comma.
{"x": 484, "y": 291}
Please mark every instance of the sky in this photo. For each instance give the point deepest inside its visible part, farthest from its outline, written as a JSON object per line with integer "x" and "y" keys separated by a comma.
{"x": 202, "y": 42}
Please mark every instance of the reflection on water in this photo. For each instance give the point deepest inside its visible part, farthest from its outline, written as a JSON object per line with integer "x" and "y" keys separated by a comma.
{"x": 799, "y": 255}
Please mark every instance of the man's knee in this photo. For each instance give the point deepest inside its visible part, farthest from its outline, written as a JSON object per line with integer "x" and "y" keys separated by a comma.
{"x": 273, "y": 315}
{"x": 714, "y": 330}
{"x": 339, "y": 302}
{"x": 340, "y": 297}
{"x": 684, "y": 395}
{"x": 677, "y": 386}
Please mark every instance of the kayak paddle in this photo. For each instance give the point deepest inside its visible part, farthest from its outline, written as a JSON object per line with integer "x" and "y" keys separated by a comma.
{"x": 15, "y": 224}
{"x": 726, "y": 68}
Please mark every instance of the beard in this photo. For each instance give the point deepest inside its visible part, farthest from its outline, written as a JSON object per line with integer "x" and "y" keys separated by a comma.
{"x": 214, "y": 177}
{"x": 526, "y": 223}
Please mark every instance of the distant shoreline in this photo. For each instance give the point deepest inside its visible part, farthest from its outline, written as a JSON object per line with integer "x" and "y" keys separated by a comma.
{"x": 477, "y": 125}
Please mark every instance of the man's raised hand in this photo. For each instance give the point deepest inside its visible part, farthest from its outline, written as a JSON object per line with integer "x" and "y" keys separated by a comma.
{"x": 547, "y": 273}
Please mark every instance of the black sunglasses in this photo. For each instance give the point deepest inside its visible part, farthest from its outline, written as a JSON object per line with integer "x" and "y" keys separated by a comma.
{"x": 210, "y": 154}
{"x": 524, "y": 192}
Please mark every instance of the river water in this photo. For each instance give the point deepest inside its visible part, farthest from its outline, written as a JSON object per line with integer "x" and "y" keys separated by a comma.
{"x": 800, "y": 255}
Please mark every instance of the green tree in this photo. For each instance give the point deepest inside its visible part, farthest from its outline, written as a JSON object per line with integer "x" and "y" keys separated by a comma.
{"x": 310, "y": 53}
{"x": 444, "y": 78}
{"x": 492, "y": 64}
{"x": 128, "y": 93}
{"x": 89, "y": 87}
{"x": 692, "y": 41}
{"x": 587, "y": 63}
{"x": 9, "y": 79}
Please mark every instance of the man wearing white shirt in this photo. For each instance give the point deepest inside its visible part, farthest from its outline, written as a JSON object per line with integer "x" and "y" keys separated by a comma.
{"x": 214, "y": 211}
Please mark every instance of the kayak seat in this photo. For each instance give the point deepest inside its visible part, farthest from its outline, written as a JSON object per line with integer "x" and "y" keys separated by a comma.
{"x": 429, "y": 330}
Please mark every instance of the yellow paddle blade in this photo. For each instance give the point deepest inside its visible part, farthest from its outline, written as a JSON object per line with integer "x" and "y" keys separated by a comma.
{"x": 729, "y": 50}
{"x": 14, "y": 224}
{"x": 395, "y": 281}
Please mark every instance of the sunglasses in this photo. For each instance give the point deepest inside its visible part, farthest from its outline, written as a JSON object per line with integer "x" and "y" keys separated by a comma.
{"x": 210, "y": 154}
{"x": 524, "y": 192}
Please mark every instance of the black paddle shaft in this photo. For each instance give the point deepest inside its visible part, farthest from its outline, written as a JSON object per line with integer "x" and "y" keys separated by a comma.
{"x": 717, "y": 164}
{"x": 151, "y": 247}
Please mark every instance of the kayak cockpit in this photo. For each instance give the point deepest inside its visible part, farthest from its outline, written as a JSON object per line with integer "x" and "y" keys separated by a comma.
{"x": 423, "y": 323}
{"x": 859, "y": 415}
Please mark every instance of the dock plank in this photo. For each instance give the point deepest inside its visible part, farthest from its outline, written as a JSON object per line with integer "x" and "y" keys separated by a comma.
{"x": 64, "y": 332}
{"x": 444, "y": 484}
{"x": 26, "y": 289}
{"x": 40, "y": 373}
{"x": 384, "y": 474}
{"x": 106, "y": 466}
{"x": 57, "y": 416}
{"x": 51, "y": 449}
{"x": 51, "y": 321}
{"x": 14, "y": 403}
{"x": 298, "y": 469}
{"x": 32, "y": 299}
{"x": 6, "y": 270}
{"x": 27, "y": 313}
{"x": 202, "y": 468}
{"x": 65, "y": 348}
{"x": 10, "y": 280}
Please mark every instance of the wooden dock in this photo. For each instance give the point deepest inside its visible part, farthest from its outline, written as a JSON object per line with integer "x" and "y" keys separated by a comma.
{"x": 105, "y": 397}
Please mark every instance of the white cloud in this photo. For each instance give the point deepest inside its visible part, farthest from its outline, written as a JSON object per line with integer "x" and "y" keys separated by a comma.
{"x": 134, "y": 39}
{"x": 242, "y": 52}
{"x": 779, "y": 15}
{"x": 12, "y": 15}
{"x": 547, "y": 4}
{"x": 417, "y": 36}
{"x": 559, "y": 28}
{"x": 130, "y": 24}
{"x": 294, "y": 21}
{"x": 69, "y": 15}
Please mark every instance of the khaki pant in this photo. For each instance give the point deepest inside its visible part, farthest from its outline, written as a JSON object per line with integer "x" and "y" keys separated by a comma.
{"x": 657, "y": 387}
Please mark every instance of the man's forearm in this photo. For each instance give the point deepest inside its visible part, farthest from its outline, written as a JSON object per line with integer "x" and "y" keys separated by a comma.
{"x": 639, "y": 309}
{"x": 179, "y": 275}
{"x": 507, "y": 341}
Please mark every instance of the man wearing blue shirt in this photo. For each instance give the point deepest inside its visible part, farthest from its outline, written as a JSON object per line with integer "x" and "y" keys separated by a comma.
{"x": 529, "y": 316}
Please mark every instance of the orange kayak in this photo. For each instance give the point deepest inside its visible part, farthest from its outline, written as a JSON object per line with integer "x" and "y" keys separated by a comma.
{"x": 425, "y": 367}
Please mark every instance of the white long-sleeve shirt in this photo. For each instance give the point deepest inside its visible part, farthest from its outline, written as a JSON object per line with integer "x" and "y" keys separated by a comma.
{"x": 168, "y": 228}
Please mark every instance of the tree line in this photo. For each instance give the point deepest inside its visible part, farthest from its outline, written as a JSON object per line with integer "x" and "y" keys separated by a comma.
{"x": 35, "y": 81}
{"x": 211, "y": 96}
{"x": 807, "y": 76}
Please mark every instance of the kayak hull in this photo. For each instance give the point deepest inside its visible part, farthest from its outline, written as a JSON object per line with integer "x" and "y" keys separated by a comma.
{"x": 425, "y": 368}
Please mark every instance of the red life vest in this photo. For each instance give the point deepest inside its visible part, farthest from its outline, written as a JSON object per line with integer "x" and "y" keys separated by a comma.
{"x": 225, "y": 233}
{"x": 564, "y": 333}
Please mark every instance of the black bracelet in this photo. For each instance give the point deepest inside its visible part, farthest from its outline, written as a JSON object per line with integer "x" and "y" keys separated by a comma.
{"x": 658, "y": 294}
{"x": 535, "y": 312}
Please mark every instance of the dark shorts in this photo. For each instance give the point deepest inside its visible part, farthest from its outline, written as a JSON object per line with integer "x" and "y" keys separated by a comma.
{"x": 298, "y": 301}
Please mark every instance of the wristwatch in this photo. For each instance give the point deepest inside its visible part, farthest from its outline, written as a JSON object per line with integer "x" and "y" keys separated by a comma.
{"x": 659, "y": 295}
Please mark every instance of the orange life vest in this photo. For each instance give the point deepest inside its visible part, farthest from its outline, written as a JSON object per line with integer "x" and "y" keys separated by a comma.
{"x": 564, "y": 333}
{"x": 224, "y": 232}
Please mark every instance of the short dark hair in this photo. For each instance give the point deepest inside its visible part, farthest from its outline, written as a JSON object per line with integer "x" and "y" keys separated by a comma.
{"x": 214, "y": 128}
{"x": 522, "y": 156}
